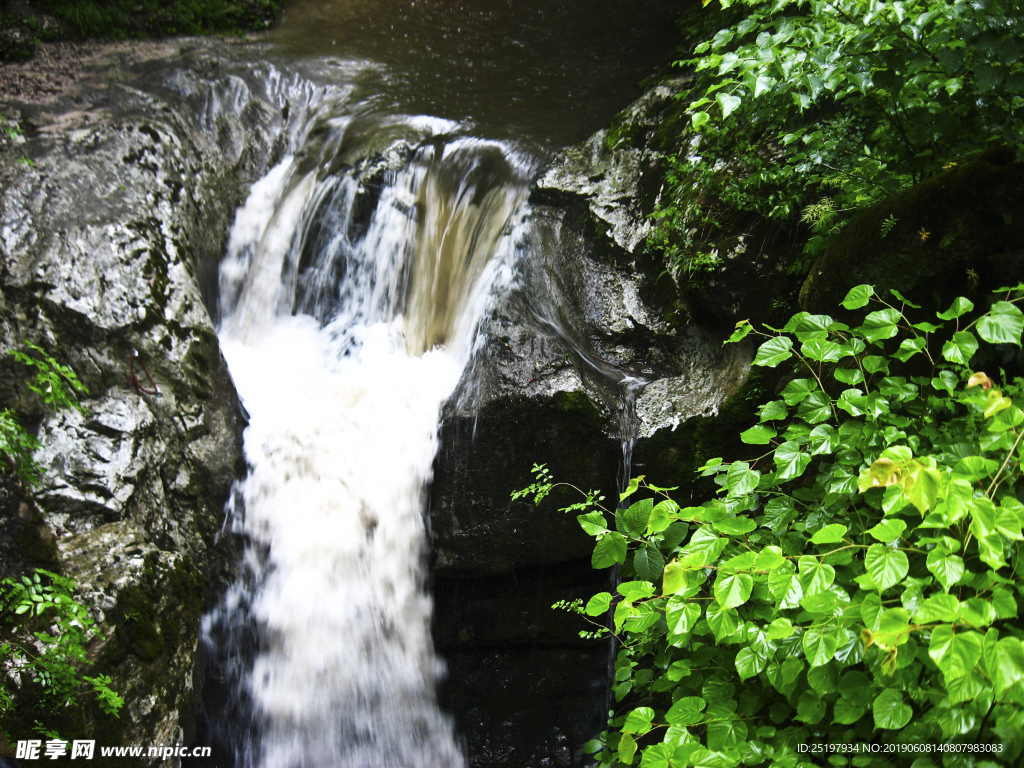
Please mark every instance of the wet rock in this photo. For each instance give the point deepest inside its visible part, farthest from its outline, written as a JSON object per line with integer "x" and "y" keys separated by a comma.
{"x": 113, "y": 217}
{"x": 960, "y": 232}
{"x": 590, "y": 360}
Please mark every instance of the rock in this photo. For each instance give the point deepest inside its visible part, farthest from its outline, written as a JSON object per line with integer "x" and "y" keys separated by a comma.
{"x": 591, "y": 358}
{"x": 958, "y": 233}
{"x": 111, "y": 229}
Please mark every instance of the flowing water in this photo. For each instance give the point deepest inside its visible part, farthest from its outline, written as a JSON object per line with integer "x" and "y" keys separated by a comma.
{"x": 349, "y": 301}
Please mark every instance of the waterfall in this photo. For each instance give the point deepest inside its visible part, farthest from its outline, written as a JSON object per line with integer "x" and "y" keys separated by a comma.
{"x": 350, "y": 296}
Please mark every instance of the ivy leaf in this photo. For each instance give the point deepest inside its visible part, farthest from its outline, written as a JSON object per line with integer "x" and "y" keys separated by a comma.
{"x": 817, "y": 407}
{"x": 733, "y": 589}
{"x": 593, "y": 523}
{"x": 638, "y": 721}
{"x": 822, "y": 350}
{"x": 797, "y": 390}
{"x": 960, "y": 348}
{"x": 599, "y": 604}
{"x": 955, "y": 653}
{"x": 880, "y": 325}
{"x": 886, "y": 566}
{"x": 889, "y": 710}
{"x": 689, "y": 710}
{"x": 858, "y": 297}
{"x": 774, "y": 351}
{"x": 959, "y": 307}
{"x": 830, "y": 534}
{"x": 749, "y": 663}
{"x": 610, "y": 550}
{"x": 648, "y": 563}
{"x": 790, "y": 461}
{"x": 1003, "y": 324}
{"x": 759, "y": 434}
{"x": 820, "y": 643}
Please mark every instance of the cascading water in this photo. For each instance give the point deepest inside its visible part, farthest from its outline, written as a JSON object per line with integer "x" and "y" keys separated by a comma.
{"x": 345, "y": 330}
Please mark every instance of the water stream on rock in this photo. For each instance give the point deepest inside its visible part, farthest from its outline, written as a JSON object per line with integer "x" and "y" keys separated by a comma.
{"x": 345, "y": 332}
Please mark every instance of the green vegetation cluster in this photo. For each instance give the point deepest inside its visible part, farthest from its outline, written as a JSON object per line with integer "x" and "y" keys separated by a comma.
{"x": 856, "y": 586}
{"x": 43, "y": 628}
{"x": 819, "y": 108}
{"x": 128, "y": 19}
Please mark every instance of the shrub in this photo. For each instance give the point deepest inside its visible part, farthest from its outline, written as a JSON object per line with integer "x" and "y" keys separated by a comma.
{"x": 851, "y": 595}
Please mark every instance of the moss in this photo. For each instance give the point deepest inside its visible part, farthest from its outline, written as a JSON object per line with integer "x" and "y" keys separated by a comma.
{"x": 187, "y": 589}
{"x": 576, "y": 402}
{"x": 944, "y": 237}
{"x": 136, "y": 624}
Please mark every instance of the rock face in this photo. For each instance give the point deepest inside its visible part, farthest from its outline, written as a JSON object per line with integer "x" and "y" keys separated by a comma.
{"x": 562, "y": 382}
{"x": 959, "y": 232}
{"x": 113, "y": 217}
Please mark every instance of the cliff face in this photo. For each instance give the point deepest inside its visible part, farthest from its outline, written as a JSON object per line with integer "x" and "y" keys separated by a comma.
{"x": 113, "y": 216}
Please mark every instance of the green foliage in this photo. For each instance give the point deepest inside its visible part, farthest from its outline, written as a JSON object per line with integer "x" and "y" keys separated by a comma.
{"x": 826, "y": 106}
{"x": 44, "y": 634}
{"x": 58, "y": 386}
{"x": 858, "y": 582}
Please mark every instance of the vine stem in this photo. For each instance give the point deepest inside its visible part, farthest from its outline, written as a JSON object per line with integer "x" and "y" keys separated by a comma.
{"x": 1006, "y": 461}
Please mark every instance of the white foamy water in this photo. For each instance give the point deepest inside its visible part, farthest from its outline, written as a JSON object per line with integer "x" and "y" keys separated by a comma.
{"x": 344, "y": 399}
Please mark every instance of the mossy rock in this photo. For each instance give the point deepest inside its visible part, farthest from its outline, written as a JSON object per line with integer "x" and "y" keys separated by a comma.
{"x": 959, "y": 232}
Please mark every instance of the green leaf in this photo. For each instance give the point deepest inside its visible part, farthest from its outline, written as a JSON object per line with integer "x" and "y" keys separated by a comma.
{"x": 886, "y": 566}
{"x": 633, "y": 521}
{"x": 760, "y": 434}
{"x": 948, "y": 569}
{"x": 686, "y": 711}
{"x": 888, "y": 530}
{"x": 960, "y": 306}
{"x": 723, "y": 621}
{"x": 749, "y": 663}
{"x": 729, "y": 103}
{"x": 733, "y": 589}
{"x": 743, "y": 327}
{"x": 858, "y": 296}
{"x": 817, "y": 407}
{"x": 609, "y": 550}
{"x": 955, "y": 653}
{"x": 780, "y": 629}
{"x": 741, "y": 479}
{"x": 648, "y": 563}
{"x": 790, "y": 461}
{"x": 830, "y": 534}
{"x": 681, "y": 616}
{"x": 823, "y": 439}
{"x": 890, "y": 711}
{"x": 1006, "y": 664}
{"x": 776, "y": 350}
{"x": 774, "y": 411}
{"x": 627, "y": 749}
{"x": 1003, "y": 324}
{"x": 797, "y": 390}
{"x": 820, "y": 643}
{"x": 822, "y": 350}
{"x": 704, "y": 543}
{"x": 734, "y": 526}
{"x": 815, "y": 575}
{"x": 593, "y": 523}
{"x": 638, "y": 721}
{"x": 880, "y": 325}
{"x": 598, "y": 604}
{"x": 960, "y": 348}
